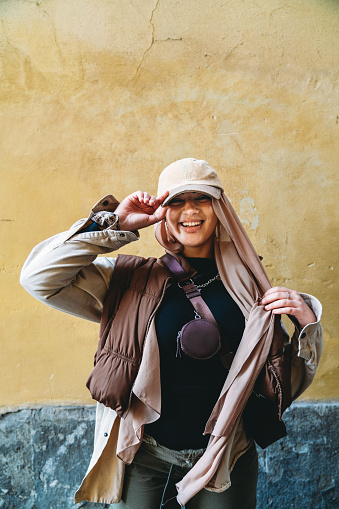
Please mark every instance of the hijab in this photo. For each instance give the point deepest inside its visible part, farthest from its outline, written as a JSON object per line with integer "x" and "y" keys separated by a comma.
{"x": 245, "y": 278}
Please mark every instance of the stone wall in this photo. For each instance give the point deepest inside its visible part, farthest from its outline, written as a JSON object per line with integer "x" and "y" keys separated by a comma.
{"x": 44, "y": 454}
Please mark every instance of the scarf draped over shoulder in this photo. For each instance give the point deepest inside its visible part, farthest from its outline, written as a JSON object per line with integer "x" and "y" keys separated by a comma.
{"x": 245, "y": 278}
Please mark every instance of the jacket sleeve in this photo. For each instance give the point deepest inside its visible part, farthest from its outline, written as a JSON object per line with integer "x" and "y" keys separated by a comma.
{"x": 307, "y": 345}
{"x": 65, "y": 273}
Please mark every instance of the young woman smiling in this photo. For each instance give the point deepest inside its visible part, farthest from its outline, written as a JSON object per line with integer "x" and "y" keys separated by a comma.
{"x": 192, "y": 221}
{"x": 170, "y": 428}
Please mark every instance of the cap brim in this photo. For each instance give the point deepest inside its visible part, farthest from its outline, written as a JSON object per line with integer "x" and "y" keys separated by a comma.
{"x": 212, "y": 191}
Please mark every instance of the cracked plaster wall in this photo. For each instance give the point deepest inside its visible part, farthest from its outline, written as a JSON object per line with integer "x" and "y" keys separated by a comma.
{"x": 98, "y": 97}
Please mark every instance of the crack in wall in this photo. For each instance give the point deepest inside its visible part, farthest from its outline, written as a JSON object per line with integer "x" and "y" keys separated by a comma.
{"x": 27, "y": 65}
{"x": 47, "y": 16}
{"x": 152, "y": 40}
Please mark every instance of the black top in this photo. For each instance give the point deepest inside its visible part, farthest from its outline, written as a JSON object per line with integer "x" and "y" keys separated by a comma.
{"x": 190, "y": 387}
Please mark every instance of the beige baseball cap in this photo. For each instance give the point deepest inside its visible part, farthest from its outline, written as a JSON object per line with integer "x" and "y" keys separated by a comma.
{"x": 189, "y": 175}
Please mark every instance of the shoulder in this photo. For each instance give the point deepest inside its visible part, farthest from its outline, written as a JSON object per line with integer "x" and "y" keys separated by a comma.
{"x": 132, "y": 262}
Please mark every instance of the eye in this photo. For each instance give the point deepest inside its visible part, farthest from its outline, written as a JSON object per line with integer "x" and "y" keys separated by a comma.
{"x": 202, "y": 198}
{"x": 175, "y": 202}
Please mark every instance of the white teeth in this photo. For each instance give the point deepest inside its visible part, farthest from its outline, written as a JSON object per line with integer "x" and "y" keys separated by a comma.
{"x": 192, "y": 223}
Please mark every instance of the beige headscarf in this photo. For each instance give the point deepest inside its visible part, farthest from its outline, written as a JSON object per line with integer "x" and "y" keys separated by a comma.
{"x": 246, "y": 280}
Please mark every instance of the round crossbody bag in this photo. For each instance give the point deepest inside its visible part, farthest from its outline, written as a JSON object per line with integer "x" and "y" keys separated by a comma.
{"x": 200, "y": 338}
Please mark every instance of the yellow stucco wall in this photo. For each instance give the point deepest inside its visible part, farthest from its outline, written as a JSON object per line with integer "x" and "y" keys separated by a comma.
{"x": 97, "y": 97}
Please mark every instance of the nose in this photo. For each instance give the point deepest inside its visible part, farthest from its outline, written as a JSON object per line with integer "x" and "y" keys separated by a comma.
{"x": 190, "y": 206}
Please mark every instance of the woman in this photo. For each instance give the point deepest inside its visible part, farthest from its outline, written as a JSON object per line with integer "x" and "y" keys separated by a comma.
{"x": 169, "y": 425}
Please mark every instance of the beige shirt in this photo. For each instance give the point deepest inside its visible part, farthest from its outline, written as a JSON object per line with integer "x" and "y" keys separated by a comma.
{"x": 65, "y": 273}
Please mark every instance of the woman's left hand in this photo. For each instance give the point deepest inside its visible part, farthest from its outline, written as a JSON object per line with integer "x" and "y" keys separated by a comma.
{"x": 283, "y": 301}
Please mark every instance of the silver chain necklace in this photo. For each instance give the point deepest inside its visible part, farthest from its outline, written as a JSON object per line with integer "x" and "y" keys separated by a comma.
{"x": 209, "y": 281}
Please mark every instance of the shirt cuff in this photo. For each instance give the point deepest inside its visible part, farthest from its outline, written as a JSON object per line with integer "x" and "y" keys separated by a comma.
{"x": 308, "y": 334}
{"x": 88, "y": 228}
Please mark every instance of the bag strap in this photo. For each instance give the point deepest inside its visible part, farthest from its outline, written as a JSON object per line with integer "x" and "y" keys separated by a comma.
{"x": 187, "y": 284}
{"x": 193, "y": 294}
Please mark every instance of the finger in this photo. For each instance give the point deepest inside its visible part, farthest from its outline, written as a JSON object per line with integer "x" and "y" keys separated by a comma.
{"x": 162, "y": 197}
{"x": 157, "y": 205}
{"x": 153, "y": 219}
{"x": 276, "y": 304}
{"x": 277, "y": 296}
{"x": 146, "y": 197}
{"x": 278, "y": 292}
{"x": 277, "y": 289}
{"x": 152, "y": 201}
{"x": 284, "y": 311}
{"x": 139, "y": 195}
{"x": 161, "y": 213}
{"x": 142, "y": 196}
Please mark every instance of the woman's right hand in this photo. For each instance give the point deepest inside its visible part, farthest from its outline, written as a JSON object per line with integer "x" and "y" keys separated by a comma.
{"x": 139, "y": 210}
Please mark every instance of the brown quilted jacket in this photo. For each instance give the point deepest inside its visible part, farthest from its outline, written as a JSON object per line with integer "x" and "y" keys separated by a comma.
{"x": 136, "y": 291}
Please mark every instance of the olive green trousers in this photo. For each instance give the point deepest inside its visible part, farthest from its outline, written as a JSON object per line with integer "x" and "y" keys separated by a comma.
{"x": 150, "y": 480}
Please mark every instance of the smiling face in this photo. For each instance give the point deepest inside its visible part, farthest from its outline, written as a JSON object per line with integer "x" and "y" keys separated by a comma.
{"x": 191, "y": 220}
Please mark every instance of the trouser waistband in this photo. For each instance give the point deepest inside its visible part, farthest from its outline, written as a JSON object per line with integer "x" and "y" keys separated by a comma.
{"x": 185, "y": 458}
